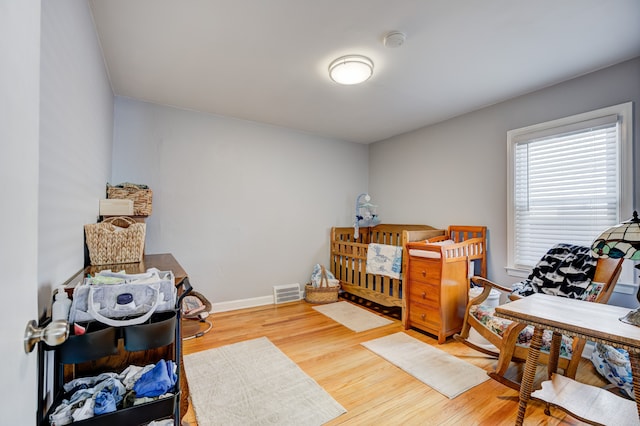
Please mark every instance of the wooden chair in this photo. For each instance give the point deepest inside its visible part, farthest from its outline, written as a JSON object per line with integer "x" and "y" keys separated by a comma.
{"x": 511, "y": 338}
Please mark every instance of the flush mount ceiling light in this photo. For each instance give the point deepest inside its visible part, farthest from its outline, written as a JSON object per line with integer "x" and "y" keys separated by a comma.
{"x": 351, "y": 69}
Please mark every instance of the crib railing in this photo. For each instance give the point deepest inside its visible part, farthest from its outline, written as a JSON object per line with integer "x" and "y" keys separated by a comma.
{"x": 348, "y": 260}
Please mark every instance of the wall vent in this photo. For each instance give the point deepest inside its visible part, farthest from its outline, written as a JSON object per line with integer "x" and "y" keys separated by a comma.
{"x": 286, "y": 293}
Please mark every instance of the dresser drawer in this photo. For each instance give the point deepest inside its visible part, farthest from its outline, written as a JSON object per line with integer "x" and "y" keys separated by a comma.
{"x": 424, "y": 316}
{"x": 424, "y": 293}
{"x": 424, "y": 271}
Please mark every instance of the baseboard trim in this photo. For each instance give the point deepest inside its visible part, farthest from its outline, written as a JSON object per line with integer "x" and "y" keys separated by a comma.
{"x": 233, "y": 305}
{"x": 625, "y": 288}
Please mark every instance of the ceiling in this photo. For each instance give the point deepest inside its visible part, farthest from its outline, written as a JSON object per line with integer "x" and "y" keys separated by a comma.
{"x": 266, "y": 61}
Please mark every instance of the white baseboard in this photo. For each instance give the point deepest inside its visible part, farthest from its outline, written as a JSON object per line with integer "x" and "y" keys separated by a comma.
{"x": 625, "y": 288}
{"x": 233, "y": 305}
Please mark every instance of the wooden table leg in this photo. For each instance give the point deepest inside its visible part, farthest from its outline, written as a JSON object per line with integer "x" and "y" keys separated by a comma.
{"x": 529, "y": 374}
{"x": 634, "y": 357}
{"x": 554, "y": 353}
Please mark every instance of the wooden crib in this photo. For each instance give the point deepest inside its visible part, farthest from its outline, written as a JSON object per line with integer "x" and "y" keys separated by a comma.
{"x": 475, "y": 250}
{"x": 349, "y": 258}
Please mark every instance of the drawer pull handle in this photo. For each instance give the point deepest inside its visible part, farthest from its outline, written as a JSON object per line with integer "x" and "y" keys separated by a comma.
{"x": 424, "y": 273}
{"x": 423, "y": 316}
{"x": 424, "y": 295}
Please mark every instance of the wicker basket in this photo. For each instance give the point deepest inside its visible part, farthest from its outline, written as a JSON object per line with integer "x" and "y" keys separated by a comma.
{"x": 323, "y": 293}
{"x": 141, "y": 197}
{"x": 115, "y": 240}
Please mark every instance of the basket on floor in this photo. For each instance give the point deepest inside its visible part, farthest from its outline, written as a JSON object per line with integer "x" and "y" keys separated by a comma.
{"x": 117, "y": 239}
{"x": 323, "y": 293}
{"x": 142, "y": 197}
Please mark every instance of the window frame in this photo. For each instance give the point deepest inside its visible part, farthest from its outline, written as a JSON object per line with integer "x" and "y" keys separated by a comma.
{"x": 625, "y": 169}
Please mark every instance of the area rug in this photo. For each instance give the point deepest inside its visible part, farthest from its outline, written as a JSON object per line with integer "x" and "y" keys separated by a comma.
{"x": 437, "y": 369}
{"x": 255, "y": 383}
{"x": 351, "y": 316}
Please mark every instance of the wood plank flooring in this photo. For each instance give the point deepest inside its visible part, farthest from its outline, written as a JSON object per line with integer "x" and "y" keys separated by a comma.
{"x": 372, "y": 390}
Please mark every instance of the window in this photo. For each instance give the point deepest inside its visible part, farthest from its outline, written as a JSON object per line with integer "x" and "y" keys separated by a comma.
{"x": 569, "y": 180}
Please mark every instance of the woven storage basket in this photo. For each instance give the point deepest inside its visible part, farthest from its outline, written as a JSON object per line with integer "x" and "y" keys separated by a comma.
{"x": 115, "y": 240}
{"x": 322, "y": 293}
{"x": 142, "y": 198}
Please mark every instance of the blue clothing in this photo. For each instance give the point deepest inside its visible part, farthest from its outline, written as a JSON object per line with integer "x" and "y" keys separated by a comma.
{"x": 157, "y": 381}
{"x": 109, "y": 394}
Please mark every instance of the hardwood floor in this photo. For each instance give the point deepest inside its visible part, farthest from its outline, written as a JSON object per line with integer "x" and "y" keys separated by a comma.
{"x": 372, "y": 390}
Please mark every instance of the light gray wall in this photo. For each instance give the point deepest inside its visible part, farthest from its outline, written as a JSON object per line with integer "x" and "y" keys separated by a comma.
{"x": 76, "y": 133}
{"x": 19, "y": 111}
{"x": 243, "y": 206}
{"x": 455, "y": 172}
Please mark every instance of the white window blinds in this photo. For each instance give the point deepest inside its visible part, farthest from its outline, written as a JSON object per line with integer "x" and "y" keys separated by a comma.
{"x": 565, "y": 186}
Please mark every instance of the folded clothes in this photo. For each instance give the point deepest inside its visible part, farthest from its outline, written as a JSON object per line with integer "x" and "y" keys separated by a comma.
{"x": 86, "y": 382}
{"x": 108, "y": 396}
{"x": 165, "y": 422}
{"x": 68, "y": 412}
{"x": 105, "y": 393}
{"x": 86, "y": 401}
{"x": 132, "y": 373}
{"x": 156, "y": 381}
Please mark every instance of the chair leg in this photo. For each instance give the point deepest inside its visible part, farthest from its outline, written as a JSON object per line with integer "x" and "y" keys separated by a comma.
{"x": 459, "y": 338}
{"x": 463, "y": 336}
{"x": 574, "y": 362}
{"x": 552, "y": 366}
{"x": 507, "y": 350}
{"x": 464, "y": 333}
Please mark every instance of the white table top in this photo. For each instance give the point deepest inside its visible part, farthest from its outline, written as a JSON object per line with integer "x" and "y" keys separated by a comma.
{"x": 593, "y": 321}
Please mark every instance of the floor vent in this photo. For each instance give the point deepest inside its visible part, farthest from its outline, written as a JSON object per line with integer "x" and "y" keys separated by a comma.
{"x": 286, "y": 293}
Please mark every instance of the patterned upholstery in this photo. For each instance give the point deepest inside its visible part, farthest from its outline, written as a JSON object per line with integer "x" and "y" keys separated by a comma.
{"x": 614, "y": 365}
{"x": 565, "y": 270}
{"x": 485, "y": 314}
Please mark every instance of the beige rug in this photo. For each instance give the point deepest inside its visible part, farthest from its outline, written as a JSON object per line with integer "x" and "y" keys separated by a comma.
{"x": 437, "y": 369}
{"x": 351, "y": 316}
{"x": 254, "y": 383}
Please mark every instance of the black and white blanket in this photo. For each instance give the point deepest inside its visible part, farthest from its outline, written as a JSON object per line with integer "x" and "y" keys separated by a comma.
{"x": 565, "y": 270}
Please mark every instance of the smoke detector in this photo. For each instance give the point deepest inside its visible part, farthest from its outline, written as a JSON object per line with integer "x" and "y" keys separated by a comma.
{"x": 394, "y": 39}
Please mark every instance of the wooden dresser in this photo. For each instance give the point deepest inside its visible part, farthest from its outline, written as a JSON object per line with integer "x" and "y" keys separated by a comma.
{"x": 436, "y": 292}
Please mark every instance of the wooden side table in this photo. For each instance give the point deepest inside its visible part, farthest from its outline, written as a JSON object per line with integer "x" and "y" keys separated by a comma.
{"x": 587, "y": 320}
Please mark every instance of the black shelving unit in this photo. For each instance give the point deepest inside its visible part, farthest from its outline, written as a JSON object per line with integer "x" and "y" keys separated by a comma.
{"x": 162, "y": 329}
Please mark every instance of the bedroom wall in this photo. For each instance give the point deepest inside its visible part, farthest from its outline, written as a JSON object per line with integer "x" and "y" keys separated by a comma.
{"x": 19, "y": 111}
{"x": 76, "y": 133}
{"x": 243, "y": 206}
{"x": 455, "y": 172}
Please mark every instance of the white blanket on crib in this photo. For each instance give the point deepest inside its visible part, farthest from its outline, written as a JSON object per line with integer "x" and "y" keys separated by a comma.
{"x": 383, "y": 259}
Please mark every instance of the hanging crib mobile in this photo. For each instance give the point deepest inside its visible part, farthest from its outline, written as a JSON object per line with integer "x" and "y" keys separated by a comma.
{"x": 366, "y": 214}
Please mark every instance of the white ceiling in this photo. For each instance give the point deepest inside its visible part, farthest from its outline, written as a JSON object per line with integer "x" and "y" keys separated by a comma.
{"x": 266, "y": 60}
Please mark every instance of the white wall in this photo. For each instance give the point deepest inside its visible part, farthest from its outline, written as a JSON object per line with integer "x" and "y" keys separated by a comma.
{"x": 76, "y": 133}
{"x": 19, "y": 98}
{"x": 455, "y": 172}
{"x": 242, "y": 206}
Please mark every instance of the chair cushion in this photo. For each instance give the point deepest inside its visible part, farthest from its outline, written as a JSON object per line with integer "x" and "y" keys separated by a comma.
{"x": 485, "y": 314}
{"x": 565, "y": 270}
